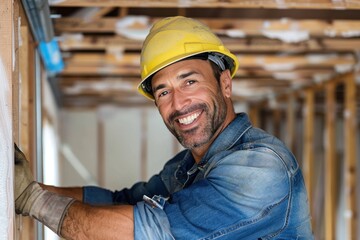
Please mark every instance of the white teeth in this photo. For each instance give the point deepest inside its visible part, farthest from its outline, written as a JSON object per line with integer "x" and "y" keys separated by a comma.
{"x": 189, "y": 119}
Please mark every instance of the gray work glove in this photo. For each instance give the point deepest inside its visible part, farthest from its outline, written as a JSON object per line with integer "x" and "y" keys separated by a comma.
{"x": 31, "y": 200}
{"x": 23, "y": 175}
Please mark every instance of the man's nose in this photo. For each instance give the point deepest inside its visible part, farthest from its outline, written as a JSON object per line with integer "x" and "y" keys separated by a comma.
{"x": 180, "y": 99}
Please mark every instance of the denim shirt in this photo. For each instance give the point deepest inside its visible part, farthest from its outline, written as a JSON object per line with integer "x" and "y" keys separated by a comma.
{"x": 247, "y": 186}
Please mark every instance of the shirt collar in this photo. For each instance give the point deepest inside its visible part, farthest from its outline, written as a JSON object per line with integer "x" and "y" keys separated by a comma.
{"x": 228, "y": 137}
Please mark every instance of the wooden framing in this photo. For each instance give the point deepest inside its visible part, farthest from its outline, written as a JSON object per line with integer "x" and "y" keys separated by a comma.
{"x": 330, "y": 155}
{"x": 290, "y": 122}
{"x": 317, "y": 4}
{"x": 16, "y": 121}
{"x": 350, "y": 155}
{"x": 101, "y": 151}
{"x": 254, "y": 115}
{"x": 308, "y": 151}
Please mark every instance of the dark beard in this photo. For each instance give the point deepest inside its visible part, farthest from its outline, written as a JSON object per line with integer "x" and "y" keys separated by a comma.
{"x": 214, "y": 122}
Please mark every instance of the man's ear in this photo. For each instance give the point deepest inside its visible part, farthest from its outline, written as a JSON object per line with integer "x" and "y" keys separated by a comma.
{"x": 226, "y": 83}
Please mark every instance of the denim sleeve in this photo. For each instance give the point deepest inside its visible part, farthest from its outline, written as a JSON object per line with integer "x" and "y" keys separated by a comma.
{"x": 100, "y": 196}
{"x": 151, "y": 223}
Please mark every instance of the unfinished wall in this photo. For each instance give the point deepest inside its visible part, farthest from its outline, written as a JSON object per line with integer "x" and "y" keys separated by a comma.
{"x": 117, "y": 145}
{"x": 321, "y": 126}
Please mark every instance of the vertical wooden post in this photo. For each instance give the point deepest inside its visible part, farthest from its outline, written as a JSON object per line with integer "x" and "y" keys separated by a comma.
{"x": 290, "y": 122}
{"x": 308, "y": 143}
{"x": 277, "y": 122}
{"x": 101, "y": 151}
{"x": 6, "y": 120}
{"x": 254, "y": 115}
{"x": 350, "y": 155}
{"x": 24, "y": 89}
{"x": 330, "y": 154}
{"x": 144, "y": 146}
{"x": 15, "y": 76}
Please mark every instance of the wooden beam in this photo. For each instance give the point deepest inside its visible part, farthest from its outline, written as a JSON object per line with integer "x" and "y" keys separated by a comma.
{"x": 330, "y": 157}
{"x": 315, "y": 4}
{"x": 308, "y": 151}
{"x": 95, "y": 63}
{"x": 76, "y": 41}
{"x": 230, "y": 27}
{"x": 350, "y": 156}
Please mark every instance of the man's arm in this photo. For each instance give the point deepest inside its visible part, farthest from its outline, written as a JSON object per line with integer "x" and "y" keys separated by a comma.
{"x": 87, "y": 222}
{"x": 58, "y": 209}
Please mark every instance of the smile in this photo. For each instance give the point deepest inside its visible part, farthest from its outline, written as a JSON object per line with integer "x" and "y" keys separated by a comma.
{"x": 189, "y": 119}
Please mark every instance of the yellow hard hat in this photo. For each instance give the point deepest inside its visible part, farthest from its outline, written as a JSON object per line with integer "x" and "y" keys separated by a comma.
{"x": 176, "y": 38}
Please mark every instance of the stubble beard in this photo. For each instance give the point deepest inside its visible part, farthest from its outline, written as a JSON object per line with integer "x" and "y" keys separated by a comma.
{"x": 203, "y": 133}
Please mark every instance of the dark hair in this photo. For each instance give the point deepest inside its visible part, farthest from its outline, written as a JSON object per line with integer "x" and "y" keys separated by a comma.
{"x": 216, "y": 71}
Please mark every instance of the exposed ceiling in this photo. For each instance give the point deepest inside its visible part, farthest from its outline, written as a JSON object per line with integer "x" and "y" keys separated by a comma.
{"x": 281, "y": 45}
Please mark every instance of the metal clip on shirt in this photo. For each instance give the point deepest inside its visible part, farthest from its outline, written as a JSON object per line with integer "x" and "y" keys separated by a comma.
{"x": 156, "y": 201}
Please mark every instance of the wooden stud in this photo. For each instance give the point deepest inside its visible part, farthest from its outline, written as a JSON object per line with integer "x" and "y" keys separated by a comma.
{"x": 308, "y": 151}
{"x": 277, "y": 122}
{"x": 330, "y": 155}
{"x": 16, "y": 77}
{"x": 24, "y": 89}
{"x": 350, "y": 155}
{"x": 143, "y": 144}
{"x": 290, "y": 122}
{"x": 101, "y": 152}
{"x": 254, "y": 115}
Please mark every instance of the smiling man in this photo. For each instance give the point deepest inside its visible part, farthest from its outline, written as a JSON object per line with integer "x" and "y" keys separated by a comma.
{"x": 233, "y": 181}
{"x": 194, "y": 105}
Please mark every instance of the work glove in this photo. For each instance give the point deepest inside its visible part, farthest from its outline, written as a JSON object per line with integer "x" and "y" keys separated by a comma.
{"x": 23, "y": 175}
{"x": 31, "y": 200}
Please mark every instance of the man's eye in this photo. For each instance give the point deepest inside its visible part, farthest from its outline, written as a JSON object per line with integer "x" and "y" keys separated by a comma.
{"x": 163, "y": 93}
{"x": 189, "y": 82}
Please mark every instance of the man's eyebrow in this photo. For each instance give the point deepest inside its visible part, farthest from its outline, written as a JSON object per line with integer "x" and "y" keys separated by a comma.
{"x": 181, "y": 76}
{"x": 159, "y": 87}
{"x": 184, "y": 75}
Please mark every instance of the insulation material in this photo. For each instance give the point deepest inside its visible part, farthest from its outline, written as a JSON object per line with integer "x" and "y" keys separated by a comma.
{"x": 286, "y": 31}
{"x": 287, "y": 36}
{"x": 106, "y": 85}
{"x": 6, "y": 155}
{"x": 235, "y": 33}
{"x": 133, "y": 27}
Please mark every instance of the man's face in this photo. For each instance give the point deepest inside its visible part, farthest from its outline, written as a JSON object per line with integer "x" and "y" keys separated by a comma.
{"x": 190, "y": 101}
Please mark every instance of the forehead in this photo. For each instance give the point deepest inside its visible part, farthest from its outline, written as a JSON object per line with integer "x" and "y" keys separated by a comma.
{"x": 175, "y": 70}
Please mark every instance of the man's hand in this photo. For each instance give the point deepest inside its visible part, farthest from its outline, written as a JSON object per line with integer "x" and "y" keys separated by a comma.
{"x": 30, "y": 199}
{"x": 23, "y": 175}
